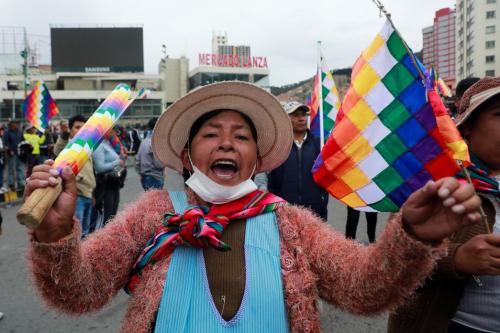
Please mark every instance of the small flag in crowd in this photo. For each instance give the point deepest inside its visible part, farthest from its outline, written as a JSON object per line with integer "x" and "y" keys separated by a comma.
{"x": 389, "y": 139}
{"x": 441, "y": 86}
{"x": 324, "y": 102}
{"x": 39, "y": 107}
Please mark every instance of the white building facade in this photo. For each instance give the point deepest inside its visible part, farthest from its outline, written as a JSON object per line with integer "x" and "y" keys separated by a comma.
{"x": 477, "y": 38}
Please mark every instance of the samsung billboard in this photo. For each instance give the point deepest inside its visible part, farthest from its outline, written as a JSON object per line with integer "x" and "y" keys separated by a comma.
{"x": 97, "y": 50}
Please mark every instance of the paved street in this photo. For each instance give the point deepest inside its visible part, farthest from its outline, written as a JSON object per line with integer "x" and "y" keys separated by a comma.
{"x": 24, "y": 311}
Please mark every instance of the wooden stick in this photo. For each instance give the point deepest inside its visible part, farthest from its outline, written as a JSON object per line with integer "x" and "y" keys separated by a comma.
{"x": 484, "y": 218}
{"x": 36, "y": 206}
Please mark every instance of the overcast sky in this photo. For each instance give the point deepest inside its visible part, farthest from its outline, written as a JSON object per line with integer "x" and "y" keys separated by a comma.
{"x": 284, "y": 31}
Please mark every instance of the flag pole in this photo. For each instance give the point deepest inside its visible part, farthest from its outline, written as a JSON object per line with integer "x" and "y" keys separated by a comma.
{"x": 320, "y": 97}
{"x": 484, "y": 218}
{"x": 382, "y": 9}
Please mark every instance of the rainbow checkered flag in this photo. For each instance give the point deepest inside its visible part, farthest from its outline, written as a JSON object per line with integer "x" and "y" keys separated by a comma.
{"x": 39, "y": 107}
{"x": 392, "y": 133}
{"x": 324, "y": 103}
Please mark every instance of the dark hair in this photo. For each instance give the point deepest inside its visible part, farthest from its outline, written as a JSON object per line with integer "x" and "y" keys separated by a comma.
{"x": 152, "y": 123}
{"x": 463, "y": 85}
{"x": 195, "y": 128}
{"x": 76, "y": 118}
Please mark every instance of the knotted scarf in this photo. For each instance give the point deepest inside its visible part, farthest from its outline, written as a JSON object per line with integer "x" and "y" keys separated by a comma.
{"x": 200, "y": 226}
{"x": 481, "y": 177}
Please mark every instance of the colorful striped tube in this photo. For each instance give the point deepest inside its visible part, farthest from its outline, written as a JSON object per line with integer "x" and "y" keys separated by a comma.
{"x": 78, "y": 150}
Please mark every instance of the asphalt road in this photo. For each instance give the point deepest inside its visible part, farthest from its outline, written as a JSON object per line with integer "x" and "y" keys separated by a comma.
{"x": 24, "y": 312}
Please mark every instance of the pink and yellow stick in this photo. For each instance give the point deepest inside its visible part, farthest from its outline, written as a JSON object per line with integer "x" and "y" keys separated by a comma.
{"x": 77, "y": 152}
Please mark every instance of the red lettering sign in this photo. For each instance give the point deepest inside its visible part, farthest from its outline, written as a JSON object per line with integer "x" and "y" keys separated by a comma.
{"x": 225, "y": 60}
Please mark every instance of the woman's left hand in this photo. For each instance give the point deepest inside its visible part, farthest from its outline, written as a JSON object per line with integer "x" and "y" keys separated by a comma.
{"x": 440, "y": 208}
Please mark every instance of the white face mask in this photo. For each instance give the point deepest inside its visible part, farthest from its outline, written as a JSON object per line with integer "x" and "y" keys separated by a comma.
{"x": 215, "y": 193}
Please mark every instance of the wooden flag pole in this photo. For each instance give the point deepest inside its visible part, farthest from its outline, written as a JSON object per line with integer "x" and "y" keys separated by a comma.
{"x": 37, "y": 205}
{"x": 382, "y": 9}
{"x": 484, "y": 218}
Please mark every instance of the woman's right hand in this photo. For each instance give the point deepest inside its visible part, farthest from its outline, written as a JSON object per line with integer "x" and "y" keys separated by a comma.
{"x": 58, "y": 222}
{"x": 479, "y": 255}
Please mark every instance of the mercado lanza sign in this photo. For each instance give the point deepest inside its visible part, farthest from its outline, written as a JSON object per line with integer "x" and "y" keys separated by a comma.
{"x": 224, "y": 60}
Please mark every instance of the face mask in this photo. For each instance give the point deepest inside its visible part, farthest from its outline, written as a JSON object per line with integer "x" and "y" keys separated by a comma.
{"x": 215, "y": 193}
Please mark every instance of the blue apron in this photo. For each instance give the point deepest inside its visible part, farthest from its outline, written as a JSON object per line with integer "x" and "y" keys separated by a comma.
{"x": 187, "y": 305}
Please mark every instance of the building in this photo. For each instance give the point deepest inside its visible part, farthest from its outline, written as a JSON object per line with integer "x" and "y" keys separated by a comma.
{"x": 82, "y": 93}
{"x": 428, "y": 46}
{"x": 203, "y": 75}
{"x": 478, "y": 38}
{"x": 79, "y": 83}
{"x": 218, "y": 40}
{"x": 80, "y": 78}
{"x": 174, "y": 76}
{"x": 439, "y": 45}
{"x": 228, "y": 62}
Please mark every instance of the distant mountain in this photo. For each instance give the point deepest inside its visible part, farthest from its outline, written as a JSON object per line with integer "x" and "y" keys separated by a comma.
{"x": 300, "y": 90}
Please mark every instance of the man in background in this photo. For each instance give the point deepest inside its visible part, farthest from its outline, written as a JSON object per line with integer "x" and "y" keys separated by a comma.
{"x": 147, "y": 166}
{"x": 85, "y": 180}
{"x": 11, "y": 140}
{"x": 32, "y": 136}
{"x": 293, "y": 180}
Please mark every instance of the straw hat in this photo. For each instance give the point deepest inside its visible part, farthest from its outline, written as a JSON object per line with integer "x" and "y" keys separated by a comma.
{"x": 480, "y": 92}
{"x": 274, "y": 130}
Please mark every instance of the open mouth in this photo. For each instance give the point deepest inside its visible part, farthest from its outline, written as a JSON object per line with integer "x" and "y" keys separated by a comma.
{"x": 224, "y": 169}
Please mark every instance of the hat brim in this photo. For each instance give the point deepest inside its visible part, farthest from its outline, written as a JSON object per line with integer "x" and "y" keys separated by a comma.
{"x": 476, "y": 102}
{"x": 274, "y": 130}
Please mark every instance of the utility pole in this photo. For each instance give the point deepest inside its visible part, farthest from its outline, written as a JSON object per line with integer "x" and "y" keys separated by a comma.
{"x": 25, "y": 54}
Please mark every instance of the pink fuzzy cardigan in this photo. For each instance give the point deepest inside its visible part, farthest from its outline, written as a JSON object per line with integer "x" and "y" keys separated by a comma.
{"x": 77, "y": 277}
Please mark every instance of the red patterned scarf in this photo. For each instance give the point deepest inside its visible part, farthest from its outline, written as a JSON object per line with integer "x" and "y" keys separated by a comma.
{"x": 200, "y": 226}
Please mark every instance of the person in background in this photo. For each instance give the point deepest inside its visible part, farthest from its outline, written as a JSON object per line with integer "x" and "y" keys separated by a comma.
{"x": 293, "y": 180}
{"x": 1, "y": 220}
{"x": 12, "y": 138}
{"x": 147, "y": 166}
{"x": 460, "y": 89}
{"x": 64, "y": 129}
{"x": 85, "y": 180}
{"x": 35, "y": 141}
{"x": 117, "y": 144}
{"x": 3, "y": 189}
{"x": 134, "y": 138}
{"x": 108, "y": 167}
{"x": 463, "y": 294}
{"x": 47, "y": 147}
{"x": 352, "y": 224}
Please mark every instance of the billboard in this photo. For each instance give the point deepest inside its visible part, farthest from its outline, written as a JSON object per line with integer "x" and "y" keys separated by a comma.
{"x": 97, "y": 49}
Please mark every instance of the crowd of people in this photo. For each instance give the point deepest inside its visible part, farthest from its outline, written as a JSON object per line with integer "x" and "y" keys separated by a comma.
{"x": 99, "y": 183}
{"x": 241, "y": 258}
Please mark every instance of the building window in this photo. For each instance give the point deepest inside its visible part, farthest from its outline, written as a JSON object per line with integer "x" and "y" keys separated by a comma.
{"x": 491, "y": 1}
{"x": 490, "y": 44}
{"x": 490, "y": 59}
{"x": 490, "y": 29}
{"x": 490, "y": 72}
{"x": 490, "y": 14}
